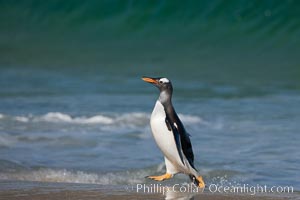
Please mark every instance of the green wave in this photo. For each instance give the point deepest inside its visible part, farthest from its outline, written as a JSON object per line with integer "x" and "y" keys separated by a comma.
{"x": 247, "y": 38}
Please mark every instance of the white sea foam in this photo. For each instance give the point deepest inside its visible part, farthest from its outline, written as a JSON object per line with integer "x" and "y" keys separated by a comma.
{"x": 220, "y": 177}
{"x": 22, "y": 119}
{"x": 68, "y": 176}
{"x": 62, "y": 117}
{"x": 127, "y": 119}
{"x": 95, "y": 119}
{"x": 54, "y": 117}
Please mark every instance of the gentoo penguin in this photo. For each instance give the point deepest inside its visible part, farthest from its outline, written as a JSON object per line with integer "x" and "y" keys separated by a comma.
{"x": 170, "y": 135}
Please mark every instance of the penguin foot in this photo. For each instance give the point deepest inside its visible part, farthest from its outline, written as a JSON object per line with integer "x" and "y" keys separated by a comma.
{"x": 197, "y": 180}
{"x": 160, "y": 178}
{"x": 200, "y": 182}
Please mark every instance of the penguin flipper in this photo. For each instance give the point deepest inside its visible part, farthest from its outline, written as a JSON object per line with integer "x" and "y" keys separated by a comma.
{"x": 176, "y": 138}
{"x": 182, "y": 138}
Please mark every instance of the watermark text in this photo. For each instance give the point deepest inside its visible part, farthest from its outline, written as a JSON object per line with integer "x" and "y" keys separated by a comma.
{"x": 212, "y": 188}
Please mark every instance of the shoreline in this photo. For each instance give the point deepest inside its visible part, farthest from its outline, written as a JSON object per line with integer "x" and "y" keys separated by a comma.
{"x": 15, "y": 190}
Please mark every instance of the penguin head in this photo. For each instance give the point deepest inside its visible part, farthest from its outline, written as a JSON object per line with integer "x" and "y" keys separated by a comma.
{"x": 163, "y": 84}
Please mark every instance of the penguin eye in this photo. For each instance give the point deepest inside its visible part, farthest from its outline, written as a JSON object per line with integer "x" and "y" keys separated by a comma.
{"x": 160, "y": 82}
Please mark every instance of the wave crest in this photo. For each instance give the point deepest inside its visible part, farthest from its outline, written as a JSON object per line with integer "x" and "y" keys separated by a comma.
{"x": 135, "y": 118}
{"x": 219, "y": 177}
{"x": 61, "y": 117}
{"x": 70, "y": 176}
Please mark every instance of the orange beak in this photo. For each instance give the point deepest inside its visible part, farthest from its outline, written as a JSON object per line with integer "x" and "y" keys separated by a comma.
{"x": 149, "y": 80}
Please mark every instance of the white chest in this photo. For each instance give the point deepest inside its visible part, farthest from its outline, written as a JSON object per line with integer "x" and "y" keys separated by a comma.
{"x": 163, "y": 137}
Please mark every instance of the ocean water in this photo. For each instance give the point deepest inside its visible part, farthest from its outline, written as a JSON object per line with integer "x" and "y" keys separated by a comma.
{"x": 74, "y": 109}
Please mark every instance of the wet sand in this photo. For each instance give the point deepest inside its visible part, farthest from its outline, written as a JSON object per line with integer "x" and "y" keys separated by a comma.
{"x": 109, "y": 195}
{"x": 36, "y": 195}
{"x": 58, "y": 191}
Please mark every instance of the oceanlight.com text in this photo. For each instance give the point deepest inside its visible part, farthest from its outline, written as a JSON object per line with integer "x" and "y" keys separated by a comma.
{"x": 212, "y": 188}
{"x": 249, "y": 189}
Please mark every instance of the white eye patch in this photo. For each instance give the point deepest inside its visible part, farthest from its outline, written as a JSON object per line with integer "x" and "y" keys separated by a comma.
{"x": 164, "y": 80}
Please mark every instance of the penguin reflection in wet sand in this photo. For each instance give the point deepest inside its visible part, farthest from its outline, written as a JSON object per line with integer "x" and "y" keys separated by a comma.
{"x": 170, "y": 135}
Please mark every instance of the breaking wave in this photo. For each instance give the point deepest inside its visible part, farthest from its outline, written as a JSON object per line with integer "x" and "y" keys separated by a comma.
{"x": 58, "y": 117}
{"x": 61, "y": 117}
{"x": 13, "y": 171}
{"x": 57, "y": 128}
{"x": 20, "y": 173}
